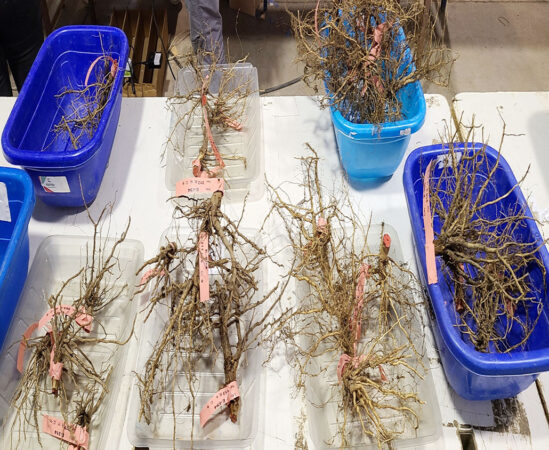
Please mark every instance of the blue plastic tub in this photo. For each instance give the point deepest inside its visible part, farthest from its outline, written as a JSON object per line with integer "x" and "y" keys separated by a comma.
{"x": 62, "y": 175}
{"x": 475, "y": 375}
{"x": 14, "y": 240}
{"x": 370, "y": 151}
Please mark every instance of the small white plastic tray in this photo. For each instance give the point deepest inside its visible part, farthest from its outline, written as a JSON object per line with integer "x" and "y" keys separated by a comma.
{"x": 219, "y": 432}
{"x": 57, "y": 259}
{"x": 242, "y": 151}
{"x": 323, "y": 393}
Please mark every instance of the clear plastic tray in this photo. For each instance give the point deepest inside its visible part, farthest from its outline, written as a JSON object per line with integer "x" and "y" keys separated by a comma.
{"x": 57, "y": 259}
{"x": 219, "y": 432}
{"x": 323, "y": 392}
{"x": 241, "y": 150}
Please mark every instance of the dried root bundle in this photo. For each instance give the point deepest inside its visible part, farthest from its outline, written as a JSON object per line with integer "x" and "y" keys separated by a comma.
{"x": 82, "y": 106}
{"x": 365, "y": 52}
{"x": 486, "y": 249}
{"x": 354, "y": 319}
{"x": 231, "y": 320}
{"x": 60, "y": 373}
{"x": 210, "y": 102}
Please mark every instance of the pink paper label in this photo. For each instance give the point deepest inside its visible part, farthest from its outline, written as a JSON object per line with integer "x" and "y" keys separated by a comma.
{"x": 356, "y": 319}
{"x": 203, "y": 266}
{"x": 75, "y": 435}
{"x": 56, "y": 369}
{"x": 222, "y": 398}
{"x": 82, "y": 319}
{"x": 430, "y": 260}
{"x": 199, "y": 185}
{"x": 151, "y": 273}
{"x": 386, "y": 241}
{"x": 346, "y": 359}
{"x": 322, "y": 225}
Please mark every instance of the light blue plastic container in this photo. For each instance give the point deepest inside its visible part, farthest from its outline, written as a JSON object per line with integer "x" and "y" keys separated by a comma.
{"x": 375, "y": 151}
{"x": 370, "y": 151}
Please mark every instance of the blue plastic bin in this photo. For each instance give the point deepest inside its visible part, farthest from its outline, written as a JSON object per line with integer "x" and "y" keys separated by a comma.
{"x": 14, "y": 241}
{"x": 476, "y": 375}
{"x": 370, "y": 151}
{"x": 62, "y": 175}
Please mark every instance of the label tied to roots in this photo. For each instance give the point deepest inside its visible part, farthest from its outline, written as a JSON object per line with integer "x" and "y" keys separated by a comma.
{"x": 219, "y": 400}
{"x": 75, "y": 435}
{"x": 322, "y": 225}
{"x": 356, "y": 319}
{"x": 203, "y": 266}
{"x": 150, "y": 274}
{"x": 215, "y": 150}
{"x": 430, "y": 260}
{"x": 56, "y": 368}
{"x": 82, "y": 319}
{"x": 114, "y": 67}
{"x": 346, "y": 359}
{"x": 199, "y": 185}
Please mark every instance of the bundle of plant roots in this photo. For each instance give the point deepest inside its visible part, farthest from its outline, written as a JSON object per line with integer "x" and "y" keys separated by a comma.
{"x": 207, "y": 105}
{"x": 61, "y": 373}
{"x": 225, "y": 323}
{"x": 366, "y": 51}
{"x": 82, "y": 106}
{"x": 354, "y": 318}
{"x": 486, "y": 250}
{"x": 210, "y": 281}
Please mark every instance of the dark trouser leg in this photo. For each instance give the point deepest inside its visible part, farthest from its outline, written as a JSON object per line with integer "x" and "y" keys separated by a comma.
{"x": 20, "y": 35}
{"x": 5, "y": 85}
{"x": 206, "y": 28}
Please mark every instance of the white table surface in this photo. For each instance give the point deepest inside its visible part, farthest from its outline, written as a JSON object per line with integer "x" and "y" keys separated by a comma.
{"x": 134, "y": 181}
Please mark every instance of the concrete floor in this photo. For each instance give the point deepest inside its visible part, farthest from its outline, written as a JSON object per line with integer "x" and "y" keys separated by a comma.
{"x": 502, "y": 45}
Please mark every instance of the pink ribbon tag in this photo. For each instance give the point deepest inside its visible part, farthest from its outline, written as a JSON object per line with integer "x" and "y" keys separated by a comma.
{"x": 382, "y": 374}
{"x": 150, "y": 274}
{"x": 82, "y": 319}
{"x": 199, "y": 185}
{"x": 343, "y": 361}
{"x": 232, "y": 123}
{"x": 430, "y": 260}
{"x": 386, "y": 242}
{"x": 75, "y": 435}
{"x": 220, "y": 399}
{"x": 56, "y": 369}
{"x": 203, "y": 266}
{"x": 114, "y": 67}
{"x": 322, "y": 225}
{"x": 346, "y": 359}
